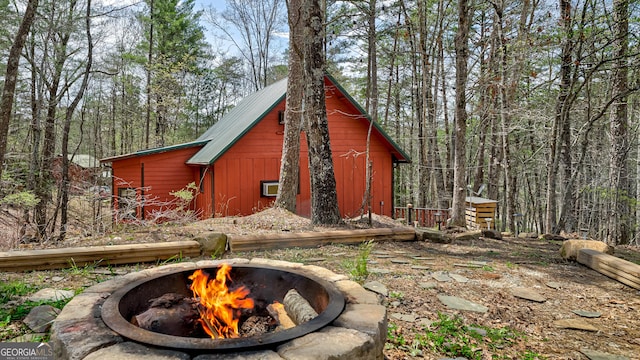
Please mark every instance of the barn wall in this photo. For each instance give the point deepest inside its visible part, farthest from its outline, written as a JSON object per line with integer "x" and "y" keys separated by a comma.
{"x": 253, "y": 158}
{"x": 256, "y": 156}
{"x": 156, "y": 175}
{"x": 126, "y": 174}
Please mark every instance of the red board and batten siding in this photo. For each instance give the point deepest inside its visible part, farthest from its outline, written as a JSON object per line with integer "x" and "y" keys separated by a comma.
{"x": 163, "y": 173}
{"x": 257, "y": 155}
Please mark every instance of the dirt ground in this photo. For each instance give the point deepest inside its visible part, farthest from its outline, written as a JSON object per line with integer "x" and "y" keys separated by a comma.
{"x": 412, "y": 304}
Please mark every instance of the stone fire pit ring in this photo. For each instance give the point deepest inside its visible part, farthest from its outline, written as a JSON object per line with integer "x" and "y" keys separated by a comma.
{"x": 359, "y": 332}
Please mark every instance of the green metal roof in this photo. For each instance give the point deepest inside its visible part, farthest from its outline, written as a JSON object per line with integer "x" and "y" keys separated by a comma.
{"x": 249, "y": 111}
{"x": 237, "y": 122}
{"x": 154, "y": 151}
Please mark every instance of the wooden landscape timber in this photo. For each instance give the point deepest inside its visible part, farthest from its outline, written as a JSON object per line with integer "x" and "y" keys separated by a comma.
{"x": 310, "y": 239}
{"x": 27, "y": 260}
{"x": 100, "y": 255}
{"x": 622, "y": 270}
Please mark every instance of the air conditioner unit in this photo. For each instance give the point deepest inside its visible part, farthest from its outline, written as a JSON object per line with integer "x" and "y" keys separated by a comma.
{"x": 269, "y": 188}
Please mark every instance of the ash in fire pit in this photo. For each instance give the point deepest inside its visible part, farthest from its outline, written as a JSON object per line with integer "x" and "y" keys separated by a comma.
{"x": 240, "y": 308}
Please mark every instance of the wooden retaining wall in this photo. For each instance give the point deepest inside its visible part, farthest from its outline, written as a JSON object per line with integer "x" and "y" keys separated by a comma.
{"x": 27, "y": 260}
{"x": 310, "y": 239}
{"x": 100, "y": 255}
{"x": 619, "y": 269}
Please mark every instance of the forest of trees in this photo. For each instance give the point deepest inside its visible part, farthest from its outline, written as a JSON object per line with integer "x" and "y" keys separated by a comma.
{"x": 537, "y": 100}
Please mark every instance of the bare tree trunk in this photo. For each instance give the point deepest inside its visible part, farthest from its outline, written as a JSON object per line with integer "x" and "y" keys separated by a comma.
{"x": 459, "y": 167}
{"x": 290, "y": 165}
{"x": 619, "y": 210}
{"x": 560, "y": 116}
{"x": 11, "y": 77}
{"x": 324, "y": 198}
{"x": 149, "y": 67}
{"x": 64, "y": 184}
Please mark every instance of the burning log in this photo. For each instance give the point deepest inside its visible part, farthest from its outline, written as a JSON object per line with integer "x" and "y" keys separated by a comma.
{"x": 171, "y": 314}
{"x": 210, "y": 329}
{"x": 277, "y": 311}
{"x": 298, "y": 307}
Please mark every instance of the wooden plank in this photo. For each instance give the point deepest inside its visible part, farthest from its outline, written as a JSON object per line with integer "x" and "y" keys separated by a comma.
{"x": 312, "y": 239}
{"x": 618, "y": 275}
{"x": 614, "y": 262}
{"x": 595, "y": 261}
{"x": 611, "y": 266}
{"x": 100, "y": 255}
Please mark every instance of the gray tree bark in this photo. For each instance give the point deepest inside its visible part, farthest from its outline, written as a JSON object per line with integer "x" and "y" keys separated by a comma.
{"x": 619, "y": 209}
{"x": 459, "y": 163}
{"x": 324, "y": 198}
{"x": 11, "y": 77}
{"x": 290, "y": 164}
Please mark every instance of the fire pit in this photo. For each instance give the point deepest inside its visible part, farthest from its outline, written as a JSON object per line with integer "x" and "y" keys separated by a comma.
{"x": 266, "y": 285}
{"x": 351, "y": 325}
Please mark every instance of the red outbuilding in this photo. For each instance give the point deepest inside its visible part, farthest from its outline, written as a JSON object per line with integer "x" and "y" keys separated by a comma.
{"x": 235, "y": 164}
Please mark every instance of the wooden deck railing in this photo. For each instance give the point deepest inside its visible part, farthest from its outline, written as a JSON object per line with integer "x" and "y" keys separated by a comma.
{"x": 426, "y": 217}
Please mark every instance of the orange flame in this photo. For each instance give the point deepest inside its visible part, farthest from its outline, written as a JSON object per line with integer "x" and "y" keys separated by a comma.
{"x": 220, "y": 307}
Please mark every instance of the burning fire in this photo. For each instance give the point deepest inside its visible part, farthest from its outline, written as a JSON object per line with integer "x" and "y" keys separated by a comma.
{"x": 219, "y": 308}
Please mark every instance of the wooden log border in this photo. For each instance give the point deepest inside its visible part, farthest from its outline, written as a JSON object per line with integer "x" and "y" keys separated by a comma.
{"x": 311, "y": 239}
{"x": 28, "y": 260}
{"x": 622, "y": 270}
{"x": 99, "y": 255}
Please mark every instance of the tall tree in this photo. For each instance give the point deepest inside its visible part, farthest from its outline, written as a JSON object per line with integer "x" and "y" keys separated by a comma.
{"x": 619, "y": 218}
{"x": 290, "y": 165}
{"x": 324, "y": 198}
{"x": 11, "y": 77}
{"x": 175, "y": 42}
{"x": 257, "y": 23}
{"x": 459, "y": 167}
{"x": 560, "y": 123}
{"x": 65, "y": 182}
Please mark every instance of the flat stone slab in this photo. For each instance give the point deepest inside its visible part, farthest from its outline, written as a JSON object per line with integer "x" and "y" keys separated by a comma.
{"x": 400, "y": 261}
{"x": 599, "y": 355}
{"x": 379, "y": 271}
{"x": 49, "y": 294}
{"x": 468, "y": 265}
{"x": 380, "y": 252}
{"x": 423, "y": 258}
{"x": 554, "y": 285}
{"x": 587, "y": 314}
{"x": 385, "y": 256}
{"x": 345, "y": 344}
{"x": 366, "y": 318}
{"x": 441, "y": 277}
{"x": 129, "y": 350}
{"x": 428, "y": 285}
{"x": 575, "y": 324}
{"x": 376, "y": 287}
{"x": 459, "y": 278}
{"x": 457, "y": 303}
{"x": 528, "y": 294}
{"x": 418, "y": 267}
{"x": 40, "y": 318}
{"x": 356, "y": 294}
{"x": 314, "y": 260}
{"x": 404, "y": 317}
